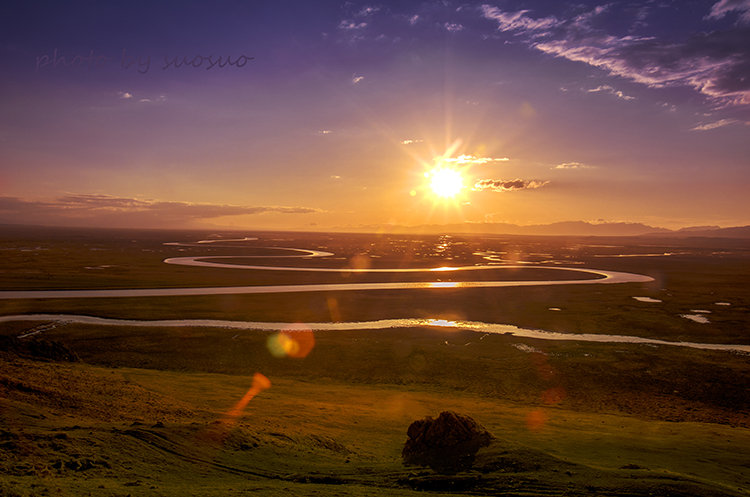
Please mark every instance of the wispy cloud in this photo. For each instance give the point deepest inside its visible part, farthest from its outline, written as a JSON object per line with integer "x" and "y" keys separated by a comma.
{"x": 100, "y": 209}
{"x": 453, "y": 27}
{"x": 714, "y": 63}
{"x": 713, "y": 125}
{"x": 517, "y": 21}
{"x": 572, "y": 165}
{"x": 471, "y": 159}
{"x": 357, "y": 79}
{"x": 348, "y": 25}
{"x": 608, "y": 89}
{"x": 409, "y": 141}
{"x": 367, "y": 11}
{"x": 126, "y": 95}
{"x": 499, "y": 185}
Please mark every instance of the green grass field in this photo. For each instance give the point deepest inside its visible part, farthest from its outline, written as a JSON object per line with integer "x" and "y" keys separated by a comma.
{"x": 149, "y": 411}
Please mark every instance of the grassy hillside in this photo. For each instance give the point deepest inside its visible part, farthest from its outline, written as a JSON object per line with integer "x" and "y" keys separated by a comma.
{"x": 570, "y": 419}
{"x": 75, "y": 429}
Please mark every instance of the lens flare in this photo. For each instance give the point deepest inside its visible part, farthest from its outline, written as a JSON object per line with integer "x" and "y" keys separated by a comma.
{"x": 296, "y": 342}
{"x": 536, "y": 419}
{"x": 333, "y": 309}
{"x": 553, "y": 396}
{"x": 260, "y": 383}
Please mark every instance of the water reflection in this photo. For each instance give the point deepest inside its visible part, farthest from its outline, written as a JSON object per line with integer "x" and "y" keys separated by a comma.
{"x": 382, "y": 324}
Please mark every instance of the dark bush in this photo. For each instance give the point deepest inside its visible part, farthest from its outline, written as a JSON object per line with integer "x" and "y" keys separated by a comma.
{"x": 447, "y": 444}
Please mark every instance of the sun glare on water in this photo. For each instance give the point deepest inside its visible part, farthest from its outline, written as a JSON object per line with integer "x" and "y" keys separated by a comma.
{"x": 445, "y": 182}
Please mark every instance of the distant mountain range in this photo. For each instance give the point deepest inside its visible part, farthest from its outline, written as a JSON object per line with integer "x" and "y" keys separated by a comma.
{"x": 564, "y": 228}
{"x": 573, "y": 228}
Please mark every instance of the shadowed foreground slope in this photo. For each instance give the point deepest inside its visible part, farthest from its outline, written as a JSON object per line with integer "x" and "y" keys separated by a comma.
{"x": 78, "y": 429}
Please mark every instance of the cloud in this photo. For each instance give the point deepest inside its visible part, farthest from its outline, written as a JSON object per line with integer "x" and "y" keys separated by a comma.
{"x": 470, "y": 159}
{"x": 125, "y": 95}
{"x": 356, "y": 79}
{"x": 611, "y": 91}
{"x": 367, "y": 11}
{"x": 410, "y": 142}
{"x": 453, "y": 27}
{"x": 160, "y": 98}
{"x": 716, "y": 124}
{"x": 723, "y": 7}
{"x": 108, "y": 210}
{"x": 714, "y": 63}
{"x": 499, "y": 185}
{"x": 349, "y": 25}
{"x": 325, "y": 132}
{"x": 517, "y": 21}
{"x": 572, "y": 165}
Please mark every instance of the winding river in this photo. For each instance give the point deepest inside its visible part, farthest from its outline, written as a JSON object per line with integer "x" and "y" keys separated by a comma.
{"x": 601, "y": 277}
{"x": 382, "y": 324}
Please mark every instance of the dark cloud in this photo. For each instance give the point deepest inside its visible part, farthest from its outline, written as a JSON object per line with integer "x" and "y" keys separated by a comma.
{"x": 88, "y": 209}
{"x": 715, "y": 63}
{"x": 499, "y": 185}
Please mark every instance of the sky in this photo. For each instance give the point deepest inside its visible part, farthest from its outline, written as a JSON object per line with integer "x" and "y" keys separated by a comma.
{"x": 299, "y": 115}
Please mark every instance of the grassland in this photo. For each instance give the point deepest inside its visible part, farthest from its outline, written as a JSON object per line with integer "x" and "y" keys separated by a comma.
{"x": 146, "y": 410}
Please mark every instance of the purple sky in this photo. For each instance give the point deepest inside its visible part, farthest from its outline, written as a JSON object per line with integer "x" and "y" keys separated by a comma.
{"x": 327, "y": 115}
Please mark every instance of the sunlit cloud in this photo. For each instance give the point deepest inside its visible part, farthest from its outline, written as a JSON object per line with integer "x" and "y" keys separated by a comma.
{"x": 572, "y": 165}
{"x": 471, "y": 159}
{"x": 357, "y": 79}
{"x": 125, "y": 95}
{"x": 723, "y": 7}
{"x": 335, "y": 176}
{"x": 410, "y": 142}
{"x": 713, "y": 125}
{"x": 325, "y": 132}
{"x": 608, "y": 89}
{"x": 414, "y": 19}
{"x": 714, "y": 63}
{"x": 453, "y": 27}
{"x": 499, "y": 185}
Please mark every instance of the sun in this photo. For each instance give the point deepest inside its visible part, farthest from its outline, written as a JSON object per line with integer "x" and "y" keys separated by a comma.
{"x": 445, "y": 182}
